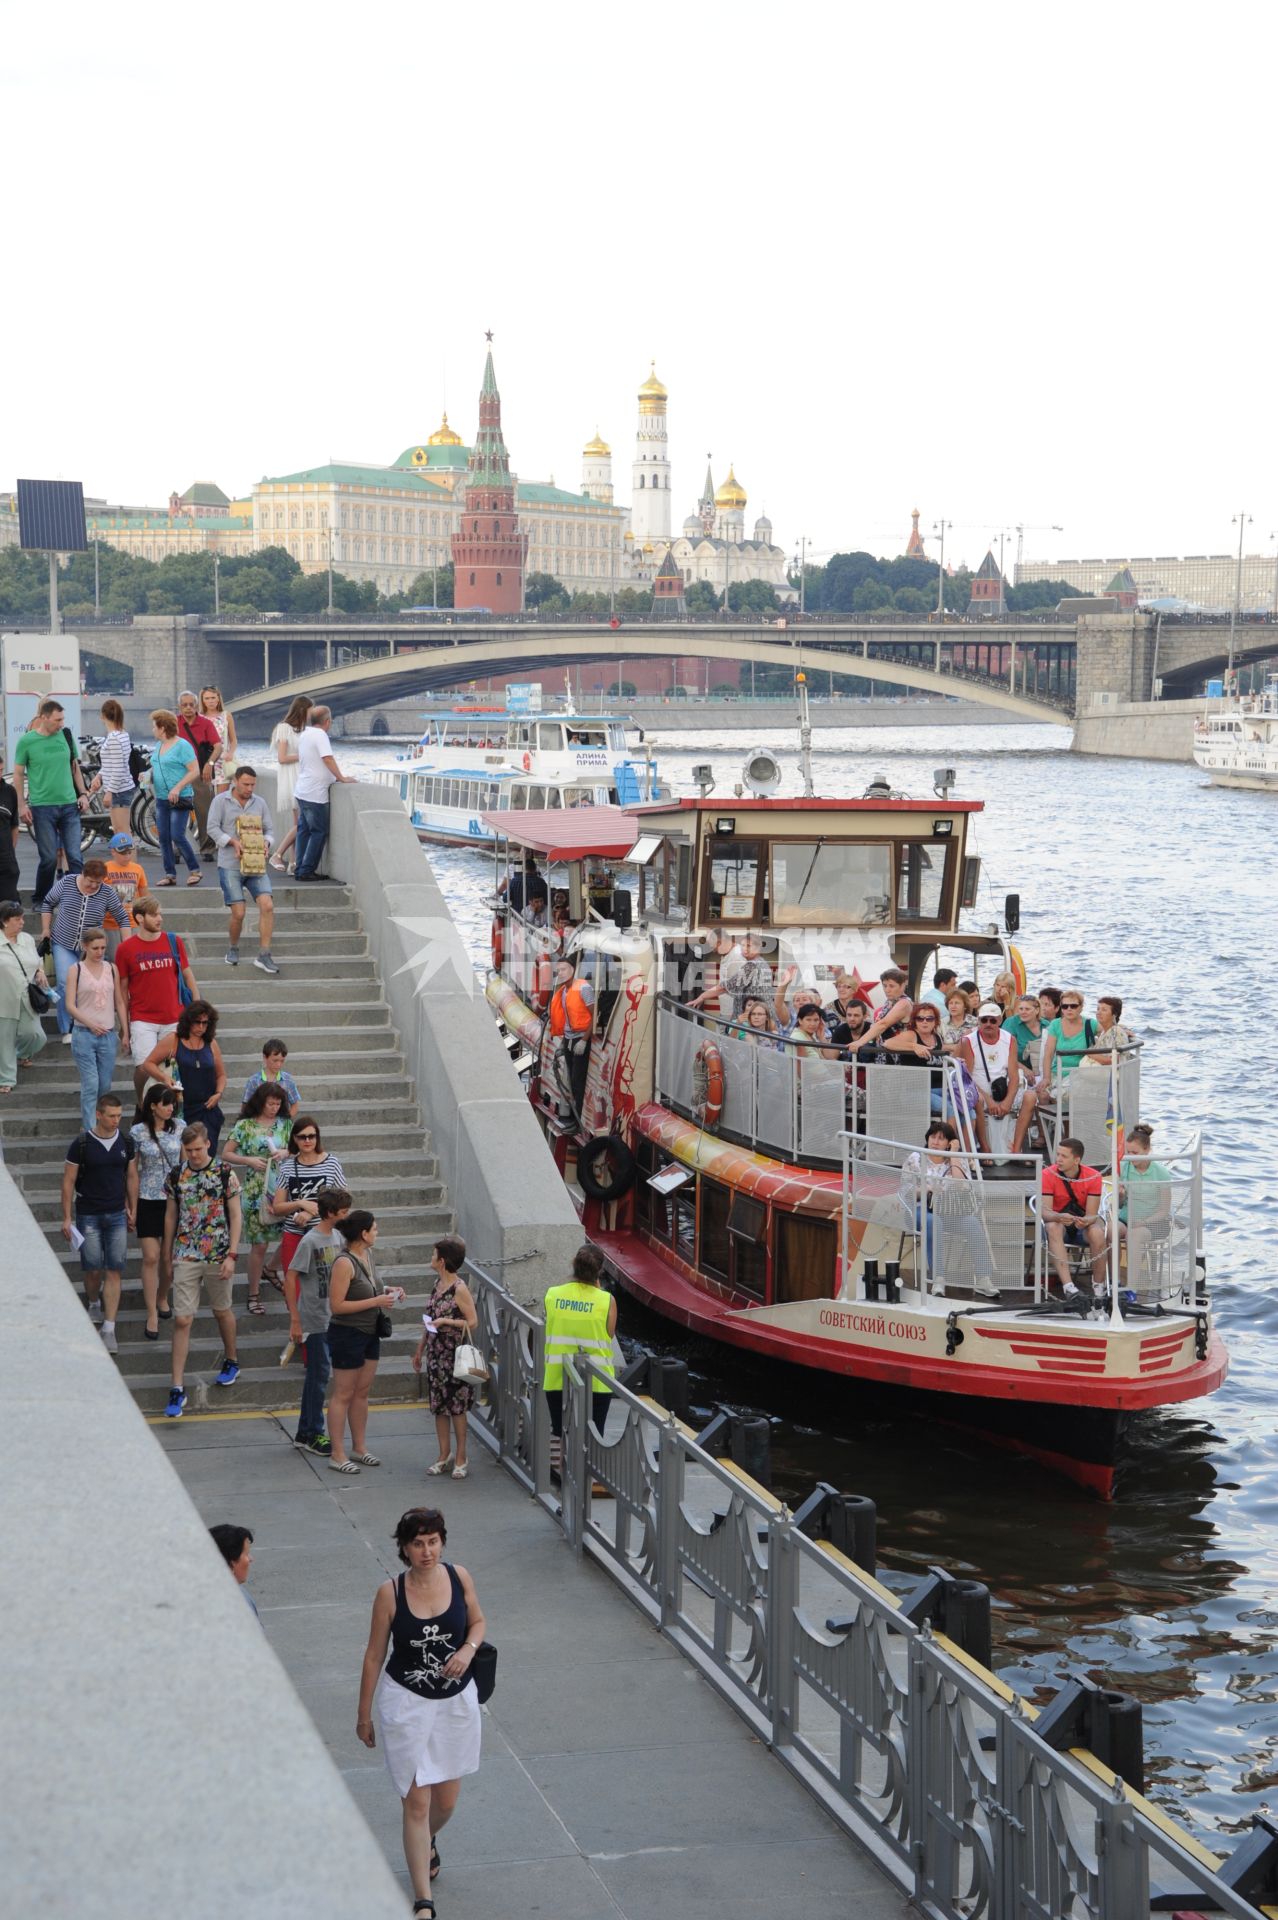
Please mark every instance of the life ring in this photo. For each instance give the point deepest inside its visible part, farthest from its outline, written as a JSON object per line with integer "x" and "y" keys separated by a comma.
{"x": 497, "y": 944}
{"x": 707, "y": 1085}
{"x": 527, "y": 763}
{"x": 543, "y": 980}
{"x": 607, "y": 1155}
{"x": 1017, "y": 968}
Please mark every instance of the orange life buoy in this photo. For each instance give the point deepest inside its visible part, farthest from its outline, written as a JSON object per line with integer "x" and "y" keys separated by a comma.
{"x": 497, "y": 945}
{"x": 527, "y": 763}
{"x": 707, "y": 1085}
{"x": 543, "y": 980}
{"x": 1018, "y": 968}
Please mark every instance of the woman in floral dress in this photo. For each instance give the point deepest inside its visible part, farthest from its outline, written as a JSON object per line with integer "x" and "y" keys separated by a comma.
{"x": 259, "y": 1136}
{"x": 453, "y": 1319}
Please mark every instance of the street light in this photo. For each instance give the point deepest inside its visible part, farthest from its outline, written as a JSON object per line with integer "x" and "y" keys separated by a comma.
{"x": 1242, "y": 521}
{"x": 329, "y": 531}
{"x": 217, "y": 598}
{"x": 940, "y": 529}
{"x": 803, "y": 572}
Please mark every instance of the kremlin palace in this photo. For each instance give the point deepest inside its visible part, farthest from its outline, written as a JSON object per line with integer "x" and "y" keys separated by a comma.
{"x": 389, "y": 523}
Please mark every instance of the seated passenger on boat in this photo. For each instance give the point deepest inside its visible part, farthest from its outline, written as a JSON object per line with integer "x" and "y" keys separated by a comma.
{"x": 1144, "y": 1204}
{"x": 917, "y": 1044}
{"x": 849, "y": 991}
{"x": 758, "y": 1025}
{"x": 849, "y": 1033}
{"x": 937, "y": 1193}
{"x": 1110, "y": 1031}
{"x": 1068, "y": 1037}
{"x": 524, "y": 885}
{"x": 1071, "y": 1214}
{"x": 800, "y": 1001}
{"x": 989, "y": 1055}
{"x": 808, "y": 1033}
{"x": 944, "y": 981}
{"x": 1026, "y": 1028}
{"x": 958, "y": 1022}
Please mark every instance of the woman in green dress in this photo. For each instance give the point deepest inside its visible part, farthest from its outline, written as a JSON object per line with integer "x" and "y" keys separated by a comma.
{"x": 259, "y": 1137}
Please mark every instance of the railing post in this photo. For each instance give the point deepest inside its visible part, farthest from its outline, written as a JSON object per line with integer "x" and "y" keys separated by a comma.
{"x": 539, "y": 1439}
{"x": 1122, "y": 1858}
{"x": 666, "y": 1521}
{"x": 576, "y": 1467}
{"x": 781, "y": 1599}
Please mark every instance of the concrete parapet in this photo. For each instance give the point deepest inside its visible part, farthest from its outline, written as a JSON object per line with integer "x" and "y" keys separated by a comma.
{"x": 511, "y": 1206}
{"x": 157, "y": 1758}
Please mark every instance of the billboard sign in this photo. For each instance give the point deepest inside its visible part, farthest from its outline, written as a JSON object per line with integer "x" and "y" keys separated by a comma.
{"x": 51, "y": 516}
{"x": 523, "y": 696}
{"x": 36, "y": 667}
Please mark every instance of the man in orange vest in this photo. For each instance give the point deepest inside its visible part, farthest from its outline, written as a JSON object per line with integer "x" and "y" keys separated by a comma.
{"x": 571, "y": 1019}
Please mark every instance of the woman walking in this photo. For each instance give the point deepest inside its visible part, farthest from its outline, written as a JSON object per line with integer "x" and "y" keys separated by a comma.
{"x": 157, "y": 1138}
{"x": 174, "y": 767}
{"x": 191, "y": 1053}
{"x": 215, "y": 713}
{"x": 114, "y": 778}
{"x": 99, "y": 1021}
{"x": 292, "y": 1185}
{"x": 356, "y": 1304}
{"x": 21, "y": 1035}
{"x": 259, "y": 1140}
{"x": 453, "y": 1318}
{"x": 284, "y": 746}
{"x": 73, "y": 905}
{"x": 424, "y": 1702}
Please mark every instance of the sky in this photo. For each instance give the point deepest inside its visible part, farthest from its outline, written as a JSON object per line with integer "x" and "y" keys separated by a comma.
{"x": 1008, "y": 266}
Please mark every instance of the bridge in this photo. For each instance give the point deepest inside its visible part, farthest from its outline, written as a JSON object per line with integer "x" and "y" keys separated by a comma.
{"x": 1027, "y": 672}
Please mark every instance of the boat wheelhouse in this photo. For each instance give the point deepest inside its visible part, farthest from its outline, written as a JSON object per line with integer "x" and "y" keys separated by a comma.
{"x": 1236, "y": 740}
{"x": 475, "y": 760}
{"x": 771, "y": 1192}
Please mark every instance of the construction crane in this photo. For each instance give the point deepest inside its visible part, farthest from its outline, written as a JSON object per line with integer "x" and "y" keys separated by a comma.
{"x": 1021, "y": 531}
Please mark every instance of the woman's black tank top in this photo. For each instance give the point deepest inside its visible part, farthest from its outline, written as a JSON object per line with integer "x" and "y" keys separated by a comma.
{"x": 420, "y": 1649}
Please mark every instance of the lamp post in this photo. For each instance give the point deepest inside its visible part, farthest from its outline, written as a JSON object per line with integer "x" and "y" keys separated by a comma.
{"x": 1242, "y": 521}
{"x": 940, "y": 529}
{"x": 1274, "y": 609}
{"x": 97, "y": 597}
{"x": 803, "y": 572}
{"x": 217, "y": 597}
{"x": 329, "y": 531}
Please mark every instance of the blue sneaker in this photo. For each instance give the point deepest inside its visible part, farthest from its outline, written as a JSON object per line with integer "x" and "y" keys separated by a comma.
{"x": 177, "y": 1403}
{"x": 229, "y": 1373}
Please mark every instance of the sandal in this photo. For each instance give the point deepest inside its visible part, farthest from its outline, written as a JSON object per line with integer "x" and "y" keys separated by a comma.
{"x": 165, "y": 1313}
{"x": 255, "y": 1303}
{"x": 441, "y": 1466}
{"x": 147, "y": 1333}
{"x": 342, "y": 1466}
{"x": 434, "y": 1859}
{"x": 366, "y": 1459}
{"x": 166, "y": 883}
{"x": 193, "y": 880}
{"x": 278, "y": 865}
{"x": 426, "y": 1907}
{"x": 460, "y": 1471}
{"x": 271, "y": 1275}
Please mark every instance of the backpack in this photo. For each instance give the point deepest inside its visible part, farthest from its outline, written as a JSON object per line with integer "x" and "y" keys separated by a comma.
{"x": 184, "y": 992}
{"x": 139, "y": 764}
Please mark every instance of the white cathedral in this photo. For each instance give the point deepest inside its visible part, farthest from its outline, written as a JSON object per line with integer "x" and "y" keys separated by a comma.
{"x": 712, "y": 545}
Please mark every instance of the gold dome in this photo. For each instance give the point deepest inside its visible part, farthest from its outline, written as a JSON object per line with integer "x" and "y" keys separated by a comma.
{"x": 598, "y": 447}
{"x": 647, "y": 546}
{"x": 731, "y": 494}
{"x": 444, "y": 437}
{"x": 652, "y": 395}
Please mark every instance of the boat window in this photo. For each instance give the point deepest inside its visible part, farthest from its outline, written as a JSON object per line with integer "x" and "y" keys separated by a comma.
{"x": 420, "y": 785}
{"x": 683, "y": 1209}
{"x": 554, "y": 797}
{"x": 715, "y": 1246}
{"x": 455, "y": 733}
{"x": 403, "y": 786}
{"x": 617, "y": 738}
{"x": 536, "y": 796}
{"x": 748, "y": 1234}
{"x": 519, "y": 796}
{"x": 550, "y": 736}
{"x": 579, "y": 796}
{"x": 842, "y": 883}
{"x": 521, "y": 735}
{"x": 734, "y": 879}
{"x": 805, "y": 1258}
{"x": 920, "y": 880}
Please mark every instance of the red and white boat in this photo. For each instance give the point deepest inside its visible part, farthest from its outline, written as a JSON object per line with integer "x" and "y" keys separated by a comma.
{"x": 764, "y": 1197}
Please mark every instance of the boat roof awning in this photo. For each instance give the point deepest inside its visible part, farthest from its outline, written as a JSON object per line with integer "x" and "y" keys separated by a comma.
{"x": 568, "y": 833}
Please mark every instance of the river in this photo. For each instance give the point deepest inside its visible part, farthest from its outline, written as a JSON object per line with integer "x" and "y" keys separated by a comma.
{"x": 1136, "y": 878}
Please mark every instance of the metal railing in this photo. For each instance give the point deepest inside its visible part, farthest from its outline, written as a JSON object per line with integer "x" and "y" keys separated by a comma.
{"x": 963, "y": 1231}
{"x": 919, "y": 1752}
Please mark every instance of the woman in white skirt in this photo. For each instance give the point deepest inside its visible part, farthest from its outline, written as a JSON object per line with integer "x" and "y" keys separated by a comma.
{"x": 284, "y": 746}
{"x": 424, "y": 1700}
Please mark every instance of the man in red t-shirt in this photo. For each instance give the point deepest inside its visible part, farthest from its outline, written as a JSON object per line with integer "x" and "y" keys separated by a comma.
{"x": 1071, "y": 1215}
{"x": 150, "y": 973}
{"x": 199, "y": 732}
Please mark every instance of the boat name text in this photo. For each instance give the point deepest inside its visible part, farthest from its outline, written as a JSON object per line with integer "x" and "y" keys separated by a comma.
{"x": 871, "y": 1323}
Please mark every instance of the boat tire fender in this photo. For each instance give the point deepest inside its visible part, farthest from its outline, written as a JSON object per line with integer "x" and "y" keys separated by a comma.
{"x": 609, "y": 1149}
{"x": 707, "y": 1085}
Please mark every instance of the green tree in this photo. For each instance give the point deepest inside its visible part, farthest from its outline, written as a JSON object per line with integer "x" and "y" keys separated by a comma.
{"x": 752, "y": 596}
{"x": 555, "y": 603}
{"x": 622, "y": 690}
{"x": 1039, "y": 594}
{"x": 870, "y": 594}
{"x": 24, "y": 584}
{"x": 634, "y": 600}
{"x": 912, "y": 600}
{"x": 540, "y": 587}
{"x": 256, "y": 588}
{"x": 588, "y": 603}
{"x": 432, "y": 589}
{"x": 701, "y": 598}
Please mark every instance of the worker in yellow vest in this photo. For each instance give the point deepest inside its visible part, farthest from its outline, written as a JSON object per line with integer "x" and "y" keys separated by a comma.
{"x": 572, "y": 1013}
{"x": 581, "y": 1318}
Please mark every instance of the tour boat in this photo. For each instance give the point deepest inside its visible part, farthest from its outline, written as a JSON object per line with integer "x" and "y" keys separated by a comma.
{"x": 476, "y": 759}
{"x": 763, "y": 1197}
{"x": 1236, "y": 740}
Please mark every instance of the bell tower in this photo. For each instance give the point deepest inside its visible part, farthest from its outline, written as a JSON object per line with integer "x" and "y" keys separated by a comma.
{"x": 650, "y": 492}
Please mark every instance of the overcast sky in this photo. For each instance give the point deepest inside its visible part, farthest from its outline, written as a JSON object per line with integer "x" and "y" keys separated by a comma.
{"x": 1011, "y": 264}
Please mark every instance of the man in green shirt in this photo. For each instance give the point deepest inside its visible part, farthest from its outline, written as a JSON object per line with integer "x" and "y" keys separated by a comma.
{"x": 51, "y": 793}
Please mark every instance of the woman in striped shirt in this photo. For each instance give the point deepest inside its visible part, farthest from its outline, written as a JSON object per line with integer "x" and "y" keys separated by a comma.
{"x": 113, "y": 777}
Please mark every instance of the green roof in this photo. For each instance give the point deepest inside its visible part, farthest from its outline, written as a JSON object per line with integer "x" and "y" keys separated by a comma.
{"x": 392, "y": 477}
{"x": 179, "y": 523}
{"x": 432, "y": 457}
{"x": 535, "y": 493}
{"x": 203, "y": 493}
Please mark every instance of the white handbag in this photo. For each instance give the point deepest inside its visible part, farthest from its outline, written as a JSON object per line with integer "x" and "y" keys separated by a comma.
{"x": 469, "y": 1364}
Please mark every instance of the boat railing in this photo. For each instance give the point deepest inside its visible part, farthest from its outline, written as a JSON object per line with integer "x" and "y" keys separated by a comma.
{"x": 1086, "y": 1103}
{"x": 902, "y": 1734}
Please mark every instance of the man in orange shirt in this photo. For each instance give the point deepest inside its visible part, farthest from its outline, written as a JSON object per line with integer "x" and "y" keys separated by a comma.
{"x": 129, "y": 881}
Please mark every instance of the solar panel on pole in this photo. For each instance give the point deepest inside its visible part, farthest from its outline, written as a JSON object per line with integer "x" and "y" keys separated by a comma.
{"x": 51, "y": 516}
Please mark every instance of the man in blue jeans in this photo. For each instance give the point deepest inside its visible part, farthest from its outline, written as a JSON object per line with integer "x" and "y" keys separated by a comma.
{"x": 101, "y": 1179}
{"x": 306, "y": 1291}
{"x": 317, "y": 771}
{"x": 51, "y": 793}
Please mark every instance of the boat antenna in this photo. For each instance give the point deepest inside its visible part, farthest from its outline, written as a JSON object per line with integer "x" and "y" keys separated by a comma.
{"x": 805, "y": 734}
{"x": 568, "y": 705}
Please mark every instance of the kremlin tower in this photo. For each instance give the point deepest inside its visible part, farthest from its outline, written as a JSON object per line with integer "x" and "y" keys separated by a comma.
{"x": 915, "y": 550}
{"x": 488, "y": 549}
{"x": 650, "y": 496}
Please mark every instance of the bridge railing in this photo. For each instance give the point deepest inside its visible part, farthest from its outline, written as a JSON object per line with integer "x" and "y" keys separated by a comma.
{"x": 914, "y": 1747}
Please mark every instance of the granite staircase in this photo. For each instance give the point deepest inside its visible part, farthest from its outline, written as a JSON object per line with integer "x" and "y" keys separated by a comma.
{"x": 327, "y": 1005}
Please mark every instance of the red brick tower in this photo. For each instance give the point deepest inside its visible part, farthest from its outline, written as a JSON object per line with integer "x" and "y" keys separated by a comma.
{"x": 488, "y": 549}
{"x": 987, "y": 589}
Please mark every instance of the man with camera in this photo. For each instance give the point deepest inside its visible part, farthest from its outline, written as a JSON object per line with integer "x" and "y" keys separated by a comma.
{"x": 989, "y": 1055}
{"x": 1070, "y": 1212}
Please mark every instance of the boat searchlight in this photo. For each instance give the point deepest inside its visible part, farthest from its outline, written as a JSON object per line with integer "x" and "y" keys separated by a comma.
{"x": 761, "y": 772}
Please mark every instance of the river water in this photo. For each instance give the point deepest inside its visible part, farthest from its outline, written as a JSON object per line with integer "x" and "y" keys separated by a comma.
{"x": 1136, "y": 878}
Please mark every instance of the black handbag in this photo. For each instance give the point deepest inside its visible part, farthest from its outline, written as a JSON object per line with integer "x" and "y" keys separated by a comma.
{"x": 385, "y": 1325}
{"x": 39, "y": 999}
{"x": 483, "y": 1670}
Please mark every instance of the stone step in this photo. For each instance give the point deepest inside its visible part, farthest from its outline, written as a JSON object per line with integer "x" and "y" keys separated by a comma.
{"x": 244, "y": 986}
{"x": 244, "y": 1020}
{"x": 58, "y": 1094}
{"x": 260, "y": 1340}
{"x": 360, "y": 1144}
{"x": 57, "y": 1116}
{"x": 388, "y": 1190}
{"x": 412, "y": 1248}
{"x": 402, "y": 1205}
{"x": 58, "y": 1069}
{"x": 279, "y": 1389}
{"x": 217, "y": 979}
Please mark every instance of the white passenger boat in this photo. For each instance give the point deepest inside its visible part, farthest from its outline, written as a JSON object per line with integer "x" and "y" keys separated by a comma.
{"x": 1236, "y": 741}
{"x": 475, "y": 760}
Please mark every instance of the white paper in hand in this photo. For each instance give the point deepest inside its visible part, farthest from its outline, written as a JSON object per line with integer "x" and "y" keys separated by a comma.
{"x": 77, "y": 1239}
{"x": 428, "y": 1323}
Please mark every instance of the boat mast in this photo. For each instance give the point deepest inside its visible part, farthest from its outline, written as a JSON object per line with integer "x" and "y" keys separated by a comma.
{"x": 805, "y": 734}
